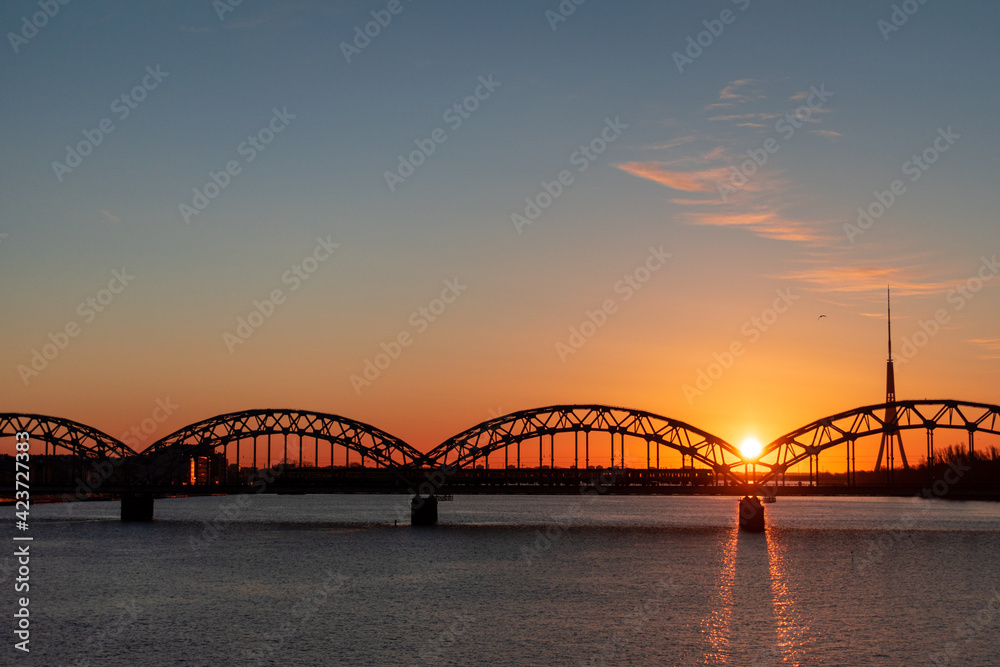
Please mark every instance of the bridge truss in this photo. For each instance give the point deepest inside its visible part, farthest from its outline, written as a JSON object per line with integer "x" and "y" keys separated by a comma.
{"x": 64, "y": 436}
{"x": 169, "y": 456}
{"x": 527, "y": 436}
{"x": 508, "y": 433}
{"x": 847, "y": 427}
{"x": 63, "y": 451}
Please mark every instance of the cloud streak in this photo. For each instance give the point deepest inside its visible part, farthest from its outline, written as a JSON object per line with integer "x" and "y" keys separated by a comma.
{"x": 991, "y": 345}
{"x": 686, "y": 181}
{"x": 760, "y": 207}
{"x": 736, "y": 93}
{"x": 861, "y": 279}
{"x": 762, "y": 203}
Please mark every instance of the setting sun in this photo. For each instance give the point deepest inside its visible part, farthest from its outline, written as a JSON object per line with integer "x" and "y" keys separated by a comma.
{"x": 750, "y": 448}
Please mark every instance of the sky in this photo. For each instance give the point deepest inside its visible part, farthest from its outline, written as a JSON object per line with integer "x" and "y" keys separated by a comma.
{"x": 422, "y": 215}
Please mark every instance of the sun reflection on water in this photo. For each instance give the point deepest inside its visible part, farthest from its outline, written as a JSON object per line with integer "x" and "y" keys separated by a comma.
{"x": 790, "y": 627}
{"x": 717, "y": 625}
{"x": 755, "y": 620}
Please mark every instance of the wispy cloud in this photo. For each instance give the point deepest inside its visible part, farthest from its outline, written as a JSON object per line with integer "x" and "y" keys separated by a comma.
{"x": 736, "y": 95}
{"x": 741, "y": 91}
{"x": 695, "y": 161}
{"x": 859, "y": 279}
{"x": 747, "y": 117}
{"x": 687, "y": 181}
{"x": 760, "y": 207}
{"x": 673, "y": 143}
{"x": 703, "y": 167}
{"x": 764, "y": 221}
{"x": 714, "y": 201}
{"x": 991, "y": 346}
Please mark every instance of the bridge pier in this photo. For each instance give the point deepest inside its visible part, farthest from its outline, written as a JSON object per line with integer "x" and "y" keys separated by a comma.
{"x": 137, "y": 507}
{"x": 751, "y": 514}
{"x": 424, "y": 511}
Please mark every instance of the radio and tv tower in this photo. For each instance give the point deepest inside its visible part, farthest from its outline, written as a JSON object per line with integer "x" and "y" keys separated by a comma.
{"x": 890, "y": 438}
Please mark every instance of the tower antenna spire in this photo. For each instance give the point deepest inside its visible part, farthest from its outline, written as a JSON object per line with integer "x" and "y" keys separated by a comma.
{"x": 888, "y": 301}
{"x": 891, "y": 439}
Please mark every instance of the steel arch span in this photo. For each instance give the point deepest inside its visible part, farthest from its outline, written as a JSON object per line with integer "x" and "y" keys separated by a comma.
{"x": 201, "y": 438}
{"x": 79, "y": 439}
{"x": 846, "y": 427}
{"x": 496, "y": 434}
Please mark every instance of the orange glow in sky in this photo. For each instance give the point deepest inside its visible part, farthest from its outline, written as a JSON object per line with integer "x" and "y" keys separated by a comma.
{"x": 711, "y": 245}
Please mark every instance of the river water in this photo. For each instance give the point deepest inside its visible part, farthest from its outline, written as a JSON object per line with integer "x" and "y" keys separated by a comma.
{"x": 513, "y": 580}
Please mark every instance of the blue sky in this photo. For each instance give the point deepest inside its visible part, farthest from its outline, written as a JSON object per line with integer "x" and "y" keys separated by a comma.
{"x": 495, "y": 346}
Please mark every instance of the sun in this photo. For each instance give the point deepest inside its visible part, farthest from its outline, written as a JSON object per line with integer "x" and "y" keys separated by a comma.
{"x": 750, "y": 448}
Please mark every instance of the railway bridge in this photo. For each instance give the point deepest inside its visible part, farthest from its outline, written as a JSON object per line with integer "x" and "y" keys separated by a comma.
{"x": 553, "y": 449}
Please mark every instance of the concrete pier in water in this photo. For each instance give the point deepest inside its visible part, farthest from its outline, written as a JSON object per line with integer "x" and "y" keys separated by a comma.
{"x": 751, "y": 514}
{"x": 137, "y": 507}
{"x": 424, "y": 511}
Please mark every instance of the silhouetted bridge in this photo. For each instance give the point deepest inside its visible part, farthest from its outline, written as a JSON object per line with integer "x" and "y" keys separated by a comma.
{"x": 555, "y": 449}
